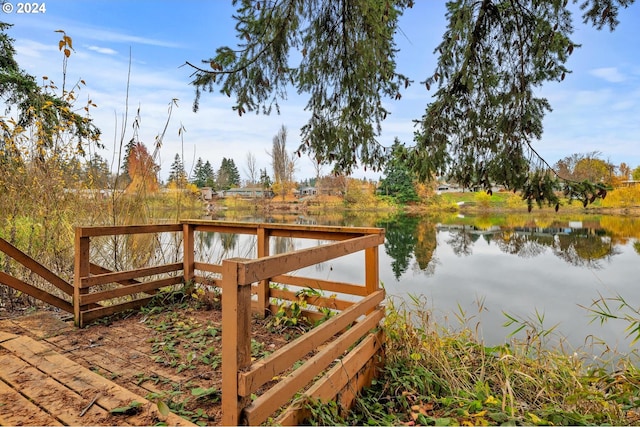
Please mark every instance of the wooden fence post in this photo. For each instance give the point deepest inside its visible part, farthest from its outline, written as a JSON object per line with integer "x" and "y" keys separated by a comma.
{"x": 372, "y": 274}
{"x": 236, "y": 339}
{"x": 188, "y": 250}
{"x": 263, "y": 285}
{"x": 81, "y": 269}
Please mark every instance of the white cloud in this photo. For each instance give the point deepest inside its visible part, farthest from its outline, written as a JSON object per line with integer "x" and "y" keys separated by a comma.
{"x": 610, "y": 74}
{"x": 103, "y": 50}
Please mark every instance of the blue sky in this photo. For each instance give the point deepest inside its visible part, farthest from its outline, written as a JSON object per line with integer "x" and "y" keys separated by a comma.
{"x": 596, "y": 108}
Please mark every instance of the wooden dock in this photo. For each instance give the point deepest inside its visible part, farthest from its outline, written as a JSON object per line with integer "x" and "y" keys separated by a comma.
{"x": 40, "y": 386}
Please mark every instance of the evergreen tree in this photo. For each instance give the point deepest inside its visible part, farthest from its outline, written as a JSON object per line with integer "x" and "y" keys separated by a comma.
{"x": 177, "y": 174}
{"x": 209, "y": 175}
{"x": 486, "y": 113}
{"x": 125, "y": 163}
{"x": 198, "y": 178}
{"x": 228, "y": 175}
{"x": 203, "y": 174}
{"x": 399, "y": 180}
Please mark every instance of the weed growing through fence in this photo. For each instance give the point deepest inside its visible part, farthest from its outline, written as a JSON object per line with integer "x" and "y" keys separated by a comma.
{"x": 438, "y": 376}
{"x": 290, "y": 315}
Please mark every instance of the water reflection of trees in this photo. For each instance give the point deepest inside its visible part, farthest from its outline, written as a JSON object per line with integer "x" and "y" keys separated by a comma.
{"x": 522, "y": 245}
{"x": 413, "y": 238}
{"x": 461, "y": 240}
{"x": 410, "y": 237}
{"x": 584, "y": 249}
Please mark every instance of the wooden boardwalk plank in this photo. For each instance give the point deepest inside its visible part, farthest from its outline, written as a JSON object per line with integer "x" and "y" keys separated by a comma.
{"x": 4, "y": 336}
{"x": 16, "y": 410}
{"x": 122, "y": 360}
{"x": 49, "y": 394}
{"x": 87, "y": 383}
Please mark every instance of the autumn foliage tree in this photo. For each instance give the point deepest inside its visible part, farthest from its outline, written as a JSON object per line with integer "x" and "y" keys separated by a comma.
{"x": 143, "y": 171}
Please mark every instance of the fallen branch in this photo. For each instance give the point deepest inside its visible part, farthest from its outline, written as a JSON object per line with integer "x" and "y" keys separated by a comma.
{"x": 84, "y": 411}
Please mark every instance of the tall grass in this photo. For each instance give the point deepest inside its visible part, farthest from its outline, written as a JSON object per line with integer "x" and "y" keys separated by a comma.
{"x": 436, "y": 375}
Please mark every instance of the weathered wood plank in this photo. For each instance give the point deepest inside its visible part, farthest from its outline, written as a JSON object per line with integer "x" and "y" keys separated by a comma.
{"x": 16, "y": 410}
{"x": 262, "y": 407}
{"x": 82, "y": 381}
{"x": 117, "y": 276}
{"x": 35, "y": 266}
{"x": 48, "y": 393}
{"x": 256, "y": 270}
{"x": 322, "y": 285}
{"x": 6, "y": 336}
{"x": 283, "y": 358}
{"x": 129, "y": 290}
{"x": 35, "y": 292}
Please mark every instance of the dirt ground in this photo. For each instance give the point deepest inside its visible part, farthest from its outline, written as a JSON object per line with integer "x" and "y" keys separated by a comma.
{"x": 168, "y": 354}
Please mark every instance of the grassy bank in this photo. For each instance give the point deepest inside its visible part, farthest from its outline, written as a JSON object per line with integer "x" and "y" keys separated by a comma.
{"x": 436, "y": 376}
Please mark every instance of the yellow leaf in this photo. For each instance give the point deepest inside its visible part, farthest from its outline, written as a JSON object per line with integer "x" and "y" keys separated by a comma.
{"x": 67, "y": 53}
{"x": 536, "y": 420}
{"x": 491, "y": 401}
{"x": 480, "y": 414}
{"x": 68, "y": 41}
{"x": 60, "y": 44}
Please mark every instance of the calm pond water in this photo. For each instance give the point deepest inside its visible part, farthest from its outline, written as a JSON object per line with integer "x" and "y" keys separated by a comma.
{"x": 481, "y": 267}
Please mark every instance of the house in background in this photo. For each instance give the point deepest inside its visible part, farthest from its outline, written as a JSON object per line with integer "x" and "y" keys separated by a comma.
{"x": 305, "y": 192}
{"x": 249, "y": 193}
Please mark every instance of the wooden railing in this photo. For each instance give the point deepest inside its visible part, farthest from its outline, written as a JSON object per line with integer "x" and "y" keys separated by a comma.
{"x": 88, "y": 305}
{"x": 356, "y": 323}
{"x": 350, "y": 340}
{"x": 29, "y": 289}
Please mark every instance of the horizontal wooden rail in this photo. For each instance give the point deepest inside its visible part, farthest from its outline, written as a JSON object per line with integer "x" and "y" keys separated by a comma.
{"x": 96, "y": 313}
{"x": 128, "y": 229}
{"x": 251, "y": 271}
{"x": 211, "y": 268}
{"x": 263, "y": 406}
{"x": 96, "y": 269}
{"x": 129, "y": 290}
{"x": 282, "y": 359}
{"x": 321, "y": 285}
{"x": 283, "y": 230}
{"x": 117, "y": 276}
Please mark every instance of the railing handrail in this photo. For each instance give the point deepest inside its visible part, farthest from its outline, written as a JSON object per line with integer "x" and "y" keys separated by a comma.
{"x": 250, "y": 227}
{"x": 250, "y": 271}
